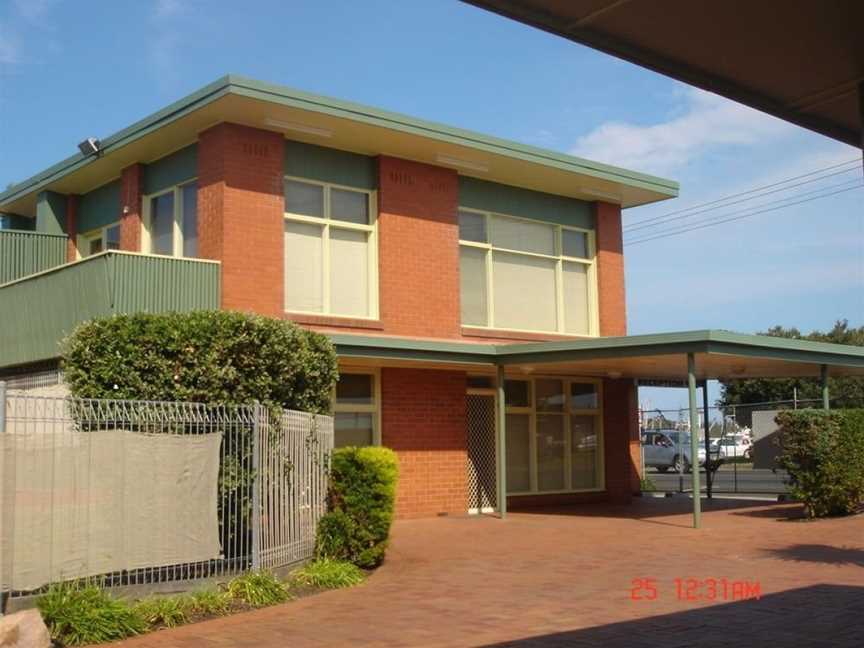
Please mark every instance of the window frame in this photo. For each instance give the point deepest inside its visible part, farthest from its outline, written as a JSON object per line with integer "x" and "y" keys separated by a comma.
{"x": 374, "y": 408}
{"x": 85, "y": 238}
{"x": 559, "y": 258}
{"x": 566, "y": 413}
{"x": 326, "y": 222}
{"x": 177, "y": 228}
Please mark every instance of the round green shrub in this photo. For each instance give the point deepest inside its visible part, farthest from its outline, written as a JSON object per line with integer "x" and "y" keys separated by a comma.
{"x": 360, "y": 502}
{"x": 220, "y": 357}
{"x": 823, "y": 455}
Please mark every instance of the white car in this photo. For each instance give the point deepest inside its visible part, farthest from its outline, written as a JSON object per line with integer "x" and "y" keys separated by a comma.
{"x": 732, "y": 446}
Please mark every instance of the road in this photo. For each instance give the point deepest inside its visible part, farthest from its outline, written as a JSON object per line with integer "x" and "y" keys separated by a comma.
{"x": 747, "y": 480}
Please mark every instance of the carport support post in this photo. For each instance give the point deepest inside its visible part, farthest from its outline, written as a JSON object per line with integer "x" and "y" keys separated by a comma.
{"x": 826, "y": 396}
{"x": 500, "y": 446}
{"x": 708, "y": 476}
{"x": 694, "y": 440}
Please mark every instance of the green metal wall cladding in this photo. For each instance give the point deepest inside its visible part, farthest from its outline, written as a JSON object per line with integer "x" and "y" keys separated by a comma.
{"x": 37, "y": 312}
{"x": 330, "y": 165}
{"x": 25, "y": 253}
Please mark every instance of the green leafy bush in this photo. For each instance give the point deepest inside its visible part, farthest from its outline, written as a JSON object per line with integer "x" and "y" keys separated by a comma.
{"x": 360, "y": 501}
{"x": 203, "y": 356}
{"x": 326, "y": 573}
{"x": 258, "y": 589}
{"x": 81, "y": 613}
{"x": 823, "y": 454}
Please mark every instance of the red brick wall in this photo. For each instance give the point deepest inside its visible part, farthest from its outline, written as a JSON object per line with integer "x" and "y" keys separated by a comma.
{"x": 130, "y": 207}
{"x": 240, "y": 214}
{"x": 423, "y": 420}
{"x": 418, "y": 242}
{"x": 621, "y": 433}
{"x": 610, "y": 269}
{"x": 71, "y": 228}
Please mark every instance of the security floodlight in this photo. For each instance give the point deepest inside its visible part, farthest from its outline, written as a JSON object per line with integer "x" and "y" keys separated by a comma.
{"x": 89, "y": 146}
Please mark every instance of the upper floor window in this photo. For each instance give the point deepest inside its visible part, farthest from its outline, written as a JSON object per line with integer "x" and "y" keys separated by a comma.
{"x": 171, "y": 221}
{"x": 99, "y": 240}
{"x": 526, "y": 275}
{"x": 330, "y": 250}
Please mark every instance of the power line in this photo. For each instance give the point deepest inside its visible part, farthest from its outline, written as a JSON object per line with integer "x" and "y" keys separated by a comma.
{"x": 770, "y": 203}
{"x": 750, "y": 191}
{"x": 671, "y": 218}
{"x": 691, "y": 227}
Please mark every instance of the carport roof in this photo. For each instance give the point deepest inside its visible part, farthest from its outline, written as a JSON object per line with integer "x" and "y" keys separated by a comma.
{"x": 719, "y": 354}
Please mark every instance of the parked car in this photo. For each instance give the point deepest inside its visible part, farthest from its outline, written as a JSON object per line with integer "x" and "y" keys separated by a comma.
{"x": 732, "y": 446}
{"x": 660, "y": 451}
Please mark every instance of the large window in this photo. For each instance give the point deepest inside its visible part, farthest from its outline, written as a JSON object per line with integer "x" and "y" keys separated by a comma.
{"x": 171, "y": 221}
{"x": 330, "y": 250}
{"x": 554, "y": 435}
{"x": 99, "y": 240}
{"x": 526, "y": 275}
{"x": 355, "y": 409}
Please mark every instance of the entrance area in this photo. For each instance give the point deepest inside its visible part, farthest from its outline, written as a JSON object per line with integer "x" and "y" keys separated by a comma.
{"x": 480, "y": 413}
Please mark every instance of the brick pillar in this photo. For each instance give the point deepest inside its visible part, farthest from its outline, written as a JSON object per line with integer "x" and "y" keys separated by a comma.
{"x": 610, "y": 269}
{"x": 130, "y": 207}
{"x": 71, "y": 228}
{"x": 418, "y": 242}
{"x": 621, "y": 434}
{"x": 241, "y": 213}
{"x": 424, "y": 421}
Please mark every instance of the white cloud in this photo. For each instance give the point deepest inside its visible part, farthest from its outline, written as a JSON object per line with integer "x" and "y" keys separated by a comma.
{"x": 10, "y": 52}
{"x": 706, "y": 121}
{"x": 167, "y": 8}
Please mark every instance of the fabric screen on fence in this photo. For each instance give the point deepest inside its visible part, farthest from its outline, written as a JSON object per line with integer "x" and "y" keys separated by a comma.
{"x": 106, "y": 500}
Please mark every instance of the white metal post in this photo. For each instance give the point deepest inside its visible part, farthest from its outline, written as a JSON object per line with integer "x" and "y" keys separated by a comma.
{"x": 256, "y": 485}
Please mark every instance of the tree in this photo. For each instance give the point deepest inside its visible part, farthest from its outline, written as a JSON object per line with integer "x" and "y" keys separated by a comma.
{"x": 845, "y": 392}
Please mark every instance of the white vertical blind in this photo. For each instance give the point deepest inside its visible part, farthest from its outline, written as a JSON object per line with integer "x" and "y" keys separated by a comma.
{"x": 304, "y": 263}
{"x": 523, "y": 235}
{"x": 575, "y": 277}
{"x": 518, "y": 430}
{"x": 524, "y": 292}
{"x": 349, "y": 272}
{"x": 472, "y": 277}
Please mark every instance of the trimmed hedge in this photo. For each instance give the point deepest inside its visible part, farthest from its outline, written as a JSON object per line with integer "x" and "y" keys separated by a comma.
{"x": 823, "y": 453}
{"x": 220, "y": 357}
{"x": 360, "y": 502}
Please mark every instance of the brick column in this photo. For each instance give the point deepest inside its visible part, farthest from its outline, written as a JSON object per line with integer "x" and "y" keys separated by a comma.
{"x": 130, "y": 207}
{"x": 612, "y": 297}
{"x": 424, "y": 421}
{"x": 418, "y": 243}
{"x": 241, "y": 213}
{"x": 621, "y": 439}
{"x": 72, "y": 228}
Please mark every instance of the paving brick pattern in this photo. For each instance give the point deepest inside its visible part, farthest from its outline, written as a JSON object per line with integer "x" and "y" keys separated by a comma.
{"x": 564, "y": 578}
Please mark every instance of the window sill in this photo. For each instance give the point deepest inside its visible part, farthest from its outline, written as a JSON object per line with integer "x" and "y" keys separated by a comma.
{"x": 335, "y": 320}
{"x": 503, "y": 334}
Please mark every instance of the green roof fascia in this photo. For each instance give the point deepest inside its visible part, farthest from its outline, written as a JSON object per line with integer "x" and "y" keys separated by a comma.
{"x": 170, "y": 113}
{"x": 390, "y": 348}
{"x": 241, "y": 86}
{"x": 704, "y": 341}
{"x": 461, "y": 137}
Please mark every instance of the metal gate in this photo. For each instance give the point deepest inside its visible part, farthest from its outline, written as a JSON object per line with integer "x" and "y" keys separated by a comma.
{"x": 482, "y": 497}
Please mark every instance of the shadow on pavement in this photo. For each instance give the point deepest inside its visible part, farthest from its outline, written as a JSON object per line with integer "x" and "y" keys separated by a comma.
{"x": 820, "y": 554}
{"x": 820, "y": 615}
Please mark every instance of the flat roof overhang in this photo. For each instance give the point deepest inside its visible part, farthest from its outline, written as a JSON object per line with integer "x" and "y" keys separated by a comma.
{"x": 343, "y": 125}
{"x": 800, "y": 60}
{"x": 663, "y": 356}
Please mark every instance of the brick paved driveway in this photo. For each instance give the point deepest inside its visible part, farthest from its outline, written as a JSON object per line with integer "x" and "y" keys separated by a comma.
{"x": 563, "y": 578}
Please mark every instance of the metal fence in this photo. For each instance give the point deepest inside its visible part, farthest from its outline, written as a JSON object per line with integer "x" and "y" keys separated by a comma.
{"x": 742, "y": 444}
{"x": 140, "y": 493}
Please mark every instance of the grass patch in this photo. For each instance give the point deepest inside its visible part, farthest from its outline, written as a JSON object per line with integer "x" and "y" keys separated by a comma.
{"x": 209, "y": 603}
{"x": 647, "y": 485}
{"x": 164, "y": 611}
{"x": 80, "y": 613}
{"x": 258, "y": 589}
{"x": 326, "y": 573}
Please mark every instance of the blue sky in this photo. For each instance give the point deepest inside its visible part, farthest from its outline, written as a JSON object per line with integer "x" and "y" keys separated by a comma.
{"x": 69, "y": 70}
